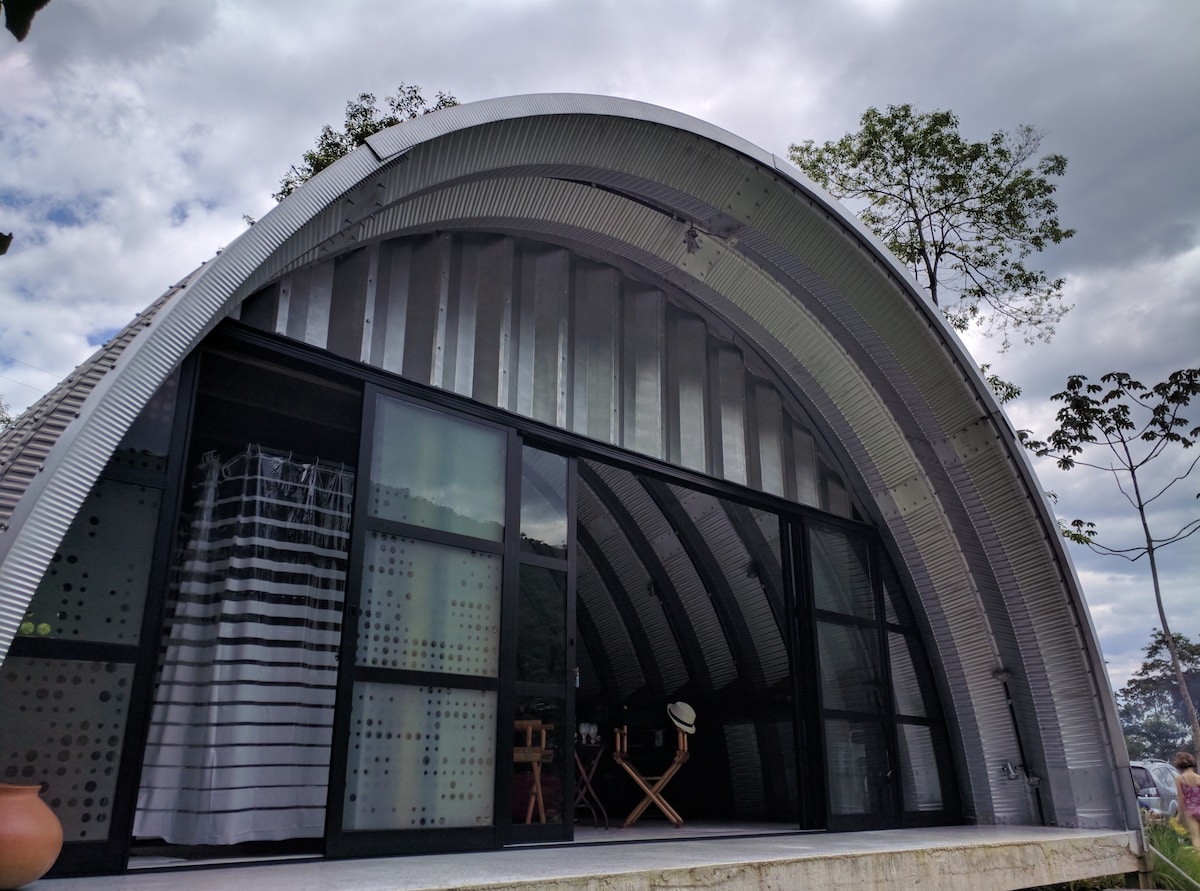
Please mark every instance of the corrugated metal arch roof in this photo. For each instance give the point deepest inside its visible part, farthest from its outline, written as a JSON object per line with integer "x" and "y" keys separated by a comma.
{"x": 796, "y": 274}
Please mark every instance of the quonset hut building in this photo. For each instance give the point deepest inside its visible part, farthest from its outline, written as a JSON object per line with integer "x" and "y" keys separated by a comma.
{"x": 548, "y": 409}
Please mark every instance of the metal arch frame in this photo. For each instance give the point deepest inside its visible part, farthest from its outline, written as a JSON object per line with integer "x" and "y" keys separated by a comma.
{"x": 317, "y": 213}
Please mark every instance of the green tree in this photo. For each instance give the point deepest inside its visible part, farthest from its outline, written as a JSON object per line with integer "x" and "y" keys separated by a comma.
{"x": 1152, "y": 711}
{"x": 363, "y": 118}
{"x": 18, "y": 15}
{"x": 1122, "y": 427}
{"x": 6, "y": 419}
{"x": 964, "y": 216}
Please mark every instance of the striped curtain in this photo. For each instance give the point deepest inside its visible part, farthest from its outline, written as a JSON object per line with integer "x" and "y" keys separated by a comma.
{"x": 243, "y": 713}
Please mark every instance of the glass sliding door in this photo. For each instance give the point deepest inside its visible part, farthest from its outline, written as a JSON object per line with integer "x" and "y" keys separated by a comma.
{"x": 419, "y": 690}
{"x": 542, "y": 653}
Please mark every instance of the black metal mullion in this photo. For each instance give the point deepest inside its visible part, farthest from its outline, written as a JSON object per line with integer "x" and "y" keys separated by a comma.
{"x": 510, "y": 595}
{"x": 806, "y": 689}
{"x": 335, "y": 837}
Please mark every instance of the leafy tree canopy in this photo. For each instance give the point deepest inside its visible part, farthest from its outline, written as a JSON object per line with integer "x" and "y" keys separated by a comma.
{"x": 1153, "y": 715}
{"x": 964, "y": 216}
{"x": 363, "y": 118}
{"x": 18, "y": 15}
{"x": 6, "y": 419}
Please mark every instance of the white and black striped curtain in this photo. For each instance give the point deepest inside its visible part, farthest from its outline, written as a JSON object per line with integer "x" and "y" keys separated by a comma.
{"x": 243, "y": 713}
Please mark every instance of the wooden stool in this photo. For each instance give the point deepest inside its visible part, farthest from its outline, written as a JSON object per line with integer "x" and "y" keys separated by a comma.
{"x": 527, "y": 751}
{"x": 653, "y": 792}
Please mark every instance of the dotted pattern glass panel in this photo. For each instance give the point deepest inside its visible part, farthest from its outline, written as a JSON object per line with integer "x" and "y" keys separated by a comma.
{"x": 95, "y": 586}
{"x": 420, "y": 758}
{"x": 429, "y": 607}
{"x": 63, "y": 726}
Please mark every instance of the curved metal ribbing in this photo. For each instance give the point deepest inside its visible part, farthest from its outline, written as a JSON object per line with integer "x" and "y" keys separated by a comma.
{"x": 932, "y": 453}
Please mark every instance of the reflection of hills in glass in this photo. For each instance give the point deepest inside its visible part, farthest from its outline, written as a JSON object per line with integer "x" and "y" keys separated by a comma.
{"x": 530, "y": 545}
{"x": 405, "y": 506}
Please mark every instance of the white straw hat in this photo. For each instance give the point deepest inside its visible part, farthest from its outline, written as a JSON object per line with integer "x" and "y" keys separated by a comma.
{"x": 683, "y": 715}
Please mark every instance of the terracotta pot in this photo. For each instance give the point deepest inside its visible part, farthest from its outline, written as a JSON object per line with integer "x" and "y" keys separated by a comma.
{"x": 31, "y": 836}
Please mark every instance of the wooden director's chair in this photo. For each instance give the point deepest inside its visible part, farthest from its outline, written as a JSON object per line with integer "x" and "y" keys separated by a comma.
{"x": 533, "y": 748}
{"x": 653, "y": 792}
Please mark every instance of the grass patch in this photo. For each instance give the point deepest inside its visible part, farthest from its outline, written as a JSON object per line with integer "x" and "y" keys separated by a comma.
{"x": 1170, "y": 841}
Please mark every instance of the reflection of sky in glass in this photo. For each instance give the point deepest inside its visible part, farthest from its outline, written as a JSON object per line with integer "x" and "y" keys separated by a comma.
{"x": 544, "y": 499}
{"x": 448, "y": 463}
{"x": 544, "y": 522}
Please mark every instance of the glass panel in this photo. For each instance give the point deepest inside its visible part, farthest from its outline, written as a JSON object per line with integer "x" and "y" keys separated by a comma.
{"x": 841, "y": 577}
{"x": 429, "y": 607}
{"x": 434, "y": 470}
{"x": 540, "y": 756}
{"x": 920, "y": 783}
{"x": 895, "y": 601}
{"x": 543, "y": 503}
{"x": 850, "y": 677}
{"x": 542, "y": 615}
{"x": 857, "y": 767}
{"x": 420, "y": 758}
{"x": 147, "y": 441}
{"x": 95, "y": 586}
{"x": 63, "y": 726}
{"x": 912, "y": 686}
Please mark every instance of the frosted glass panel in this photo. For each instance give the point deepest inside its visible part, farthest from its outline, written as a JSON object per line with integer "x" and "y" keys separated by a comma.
{"x": 420, "y": 758}
{"x": 429, "y": 607}
{"x": 63, "y": 725}
{"x": 434, "y": 470}
{"x": 95, "y": 586}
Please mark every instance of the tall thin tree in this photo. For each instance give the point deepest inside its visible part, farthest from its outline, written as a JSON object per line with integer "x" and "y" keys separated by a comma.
{"x": 1121, "y": 426}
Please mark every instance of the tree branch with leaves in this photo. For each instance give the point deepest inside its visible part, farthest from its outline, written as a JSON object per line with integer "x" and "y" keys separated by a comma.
{"x": 963, "y": 216}
{"x": 363, "y": 118}
{"x": 1121, "y": 427}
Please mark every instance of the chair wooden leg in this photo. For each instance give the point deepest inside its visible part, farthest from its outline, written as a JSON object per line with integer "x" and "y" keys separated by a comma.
{"x": 654, "y": 796}
{"x": 535, "y": 796}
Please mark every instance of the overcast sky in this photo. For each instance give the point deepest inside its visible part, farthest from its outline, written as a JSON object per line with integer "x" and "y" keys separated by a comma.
{"x": 134, "y": 134}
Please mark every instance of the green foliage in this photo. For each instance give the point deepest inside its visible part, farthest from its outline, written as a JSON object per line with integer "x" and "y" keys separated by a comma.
{"x": 964, "y": 216}
{"x": 1006, "y": 391}
{"x": 6, "y": 419}
{"x": 1152, "y": 711}
{"x": 1131, "y": 425}
{"x": 1103, "y": 883}
{"x": 363, "y": 118}
{"x": 1171, "y": 844}
{"x": 18, "y": 15}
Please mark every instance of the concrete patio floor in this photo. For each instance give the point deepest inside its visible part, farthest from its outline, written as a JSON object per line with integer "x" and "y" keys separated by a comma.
{"x": 981, "y": 858}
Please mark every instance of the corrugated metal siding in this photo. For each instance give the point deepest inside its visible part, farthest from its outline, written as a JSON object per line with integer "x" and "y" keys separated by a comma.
{"x": 579, "y": 344}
